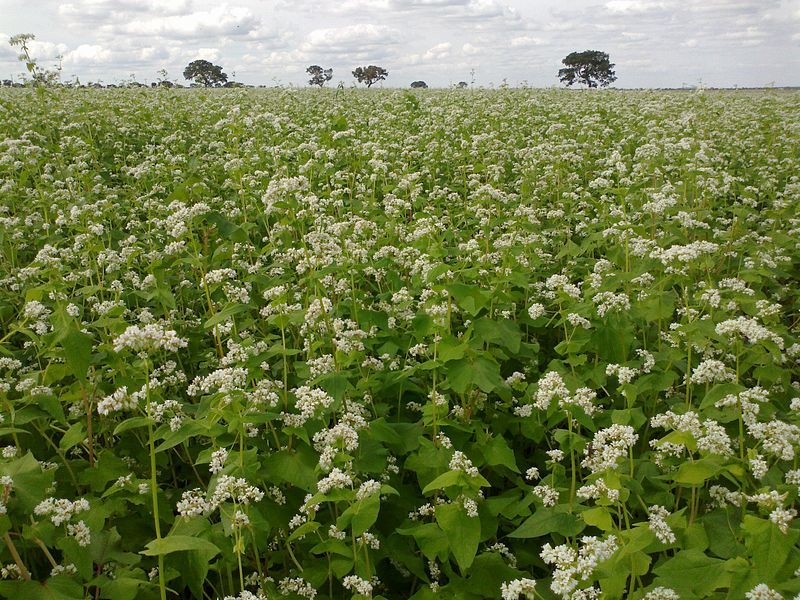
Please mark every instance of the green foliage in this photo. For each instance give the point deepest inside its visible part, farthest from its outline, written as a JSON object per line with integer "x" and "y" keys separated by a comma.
{"x": 590, "y": 67}
{"x": 396, "y": 345}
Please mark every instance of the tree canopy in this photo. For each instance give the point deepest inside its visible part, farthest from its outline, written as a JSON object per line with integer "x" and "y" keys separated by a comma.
{"x": 590, "y": 67}
{"x": 205, "y": 73}
{"x": 319, "y": 76}
{"x": 419, "y": 84}
{"x": 370, "y": 75}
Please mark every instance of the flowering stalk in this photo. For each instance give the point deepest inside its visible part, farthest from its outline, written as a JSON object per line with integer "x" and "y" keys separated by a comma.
{"x": 153, "y": 481}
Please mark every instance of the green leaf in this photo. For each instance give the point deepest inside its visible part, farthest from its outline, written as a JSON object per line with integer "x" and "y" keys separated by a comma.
{"x": 443, "y": 481}
{"x": 366, "y": 514}
{"x": 497, "y": 452}
{"x": 294, "y": 467}
{"x": 463, "y": 533}
{"x": 451, "y": 348}
{"x": 225, "y": 314}
{"x": 193, "y": 565}
{"x": 72, "y": 437}
{"x": 77, "y": 353}
{"x": 503, "y": 332}
{"x": 718, "y": 392}
{"x": 130, "y": 423}
{"x": 691, "y": 573}
{"x": 697, "y": 472}
{"x": 769, "y": 547}
{"x": 303, "y": 530}
{"x": 480, "y": 371}
{"x": 469, "y": 297}
{"x": 187, "y": 430}
{"x": 599, "y": 516}
{"x": 178, "y": 543}
{"x": 31, "y": 483}
{"x": 549, "y": 520}
{"x": 432, "y": 541}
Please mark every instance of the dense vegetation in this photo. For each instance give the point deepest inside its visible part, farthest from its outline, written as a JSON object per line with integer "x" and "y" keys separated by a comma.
{"x": 357, "y": 344}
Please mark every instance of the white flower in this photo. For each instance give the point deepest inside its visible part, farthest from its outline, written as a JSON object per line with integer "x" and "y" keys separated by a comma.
{"x": 782, "y": 517}
{"x": 367, "y": 489}
{"x": 658, "y": 524}
{"x": 608, "y": 447}
{"x": 358, "y": 585}
{"x": 763, "y": 592}
{"x": 661, "y": 593}
{"x": 336, "y": 479}
{"x": 460, "y": 462}
{"x": 218, "y": 459}
{"x": 118, "y": 401}
{"x": 148, "y": 338}
{"x": 60, "y": 510}
{"x": 512, "y": 590}
{"x": 712, "y": 371}
{"x": 535, "y": 311}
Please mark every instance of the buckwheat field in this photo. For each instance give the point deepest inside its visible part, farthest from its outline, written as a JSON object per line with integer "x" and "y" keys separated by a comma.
{"x": 456, "y": 344}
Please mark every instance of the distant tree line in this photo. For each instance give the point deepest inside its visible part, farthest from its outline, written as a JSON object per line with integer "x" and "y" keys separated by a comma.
{"x": 591, "y": 68}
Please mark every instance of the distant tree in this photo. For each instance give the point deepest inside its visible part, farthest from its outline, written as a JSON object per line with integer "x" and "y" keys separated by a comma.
{"x": 370, "y": 74}
{"x": 419, "y": 85}
{"x": 590, "y": 67}
{"x": 462, "y": 84}
{"x": 205, "y": 73}
{"x": 319, "y": 76}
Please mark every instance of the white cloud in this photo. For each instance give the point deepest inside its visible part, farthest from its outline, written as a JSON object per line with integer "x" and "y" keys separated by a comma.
{"x": 526, "y": 41}
{"x": 351, "y": 38}
{"x": 633, "y": 6}
{"x": 220, "y": 20}
{"x": 88, "y": 54}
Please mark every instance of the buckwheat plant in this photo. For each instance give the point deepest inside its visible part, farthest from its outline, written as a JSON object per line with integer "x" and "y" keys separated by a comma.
{"x": 442, "y": 344}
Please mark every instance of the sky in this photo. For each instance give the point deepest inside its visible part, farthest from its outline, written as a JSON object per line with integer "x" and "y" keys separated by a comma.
{"x": 654, "y": 43}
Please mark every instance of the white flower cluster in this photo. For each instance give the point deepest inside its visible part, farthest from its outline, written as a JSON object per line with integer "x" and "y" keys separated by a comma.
{"x": 573, "y": 566}
{"x": 749, "y": 329}
{"x": 512, "y": 590}
{"x": 336, "y": 479}
{"x": 358, "y": 585}
{"x": 777, "y": 437}
{"x": 597, "y": 490}
{"x": 246, "y": 595}
{"x": 149, "y": 338}
{"x": 37, "y": 312}
{"x": 661, "y": 593}
{"x": 299, "y": 586}
{"x": 81, "y": 532}
{"x": 624, "y": 374}
{"x": 610, "y": 302}
{"x": 782, "y": 517}
{"x": 546, "y": 493}
{"x": 535, "y": 310}
{"x": 711, "y": 371}
{"x": 552, "y": 386}
{"x": 657, "y": 516}
{"x": 60, "y": 510}
{"x": 218, "y": 458}
{"x": 710, "y": 436}
{"x": 193, "y": 502}
{"x": 367, "y": 489}
{"x": 763, "y": 592}
{"x": 460, "y": 462}
{"x": 118, "y": 401}
{"x": 608, "y": 447}
{"x": 224, "y": 380}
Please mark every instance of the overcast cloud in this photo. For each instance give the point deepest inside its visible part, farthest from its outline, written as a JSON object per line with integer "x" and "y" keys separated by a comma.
{"x": 654, "y": 43}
